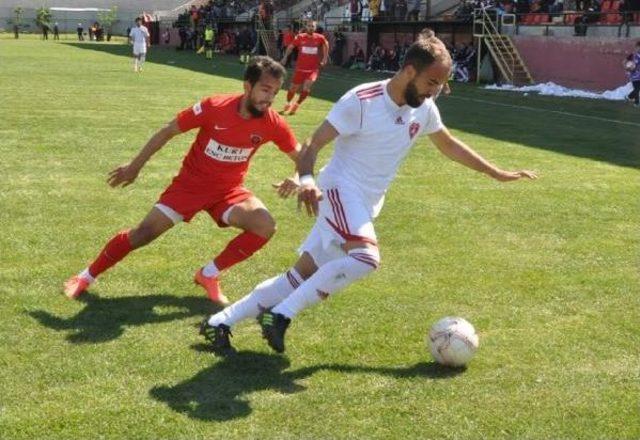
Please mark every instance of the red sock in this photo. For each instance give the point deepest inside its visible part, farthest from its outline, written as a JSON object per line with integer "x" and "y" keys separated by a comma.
{"x": 115, "y": 250}
{"x": 290, "y": 94}
{"x": 303, "y": 96}
{"x": 239, "y": 249}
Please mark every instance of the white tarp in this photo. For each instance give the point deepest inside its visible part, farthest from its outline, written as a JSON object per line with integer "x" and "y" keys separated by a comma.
{"x": 553, "y": 89}
{"x": 79, "y": 9}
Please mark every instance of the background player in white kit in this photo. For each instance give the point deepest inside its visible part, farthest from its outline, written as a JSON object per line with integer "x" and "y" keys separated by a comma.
{"x": 374, "y": 126}
{"x": 139, "y": 37}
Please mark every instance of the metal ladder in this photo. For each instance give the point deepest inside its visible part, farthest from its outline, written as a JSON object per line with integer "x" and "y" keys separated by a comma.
{"x": 268, "y": 38}
{"x": 502, "y": 50}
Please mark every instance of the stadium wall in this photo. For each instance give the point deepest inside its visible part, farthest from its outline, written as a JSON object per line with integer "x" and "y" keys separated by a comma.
{"x": 585, "y": 63}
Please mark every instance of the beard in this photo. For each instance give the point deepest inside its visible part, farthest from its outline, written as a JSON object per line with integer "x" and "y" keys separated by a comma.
{"x": 254, "y": 111}
{"x": 411, "y": 96}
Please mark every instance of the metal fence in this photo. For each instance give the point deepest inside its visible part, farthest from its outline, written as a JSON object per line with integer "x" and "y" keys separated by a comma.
{"x": 68, "y": 21}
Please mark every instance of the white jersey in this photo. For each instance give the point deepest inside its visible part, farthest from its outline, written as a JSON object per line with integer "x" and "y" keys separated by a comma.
{"x": 375, "y": 134}
{"x": 139, "y": 35}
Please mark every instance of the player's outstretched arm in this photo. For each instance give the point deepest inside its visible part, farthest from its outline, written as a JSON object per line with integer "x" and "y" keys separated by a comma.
{"x": 126, "y": 174}
{"x": 287, "y": 53}
{"x": 309, "y": 193}
{"x": 290, "y": 185}
{"x": 456, "y": 150}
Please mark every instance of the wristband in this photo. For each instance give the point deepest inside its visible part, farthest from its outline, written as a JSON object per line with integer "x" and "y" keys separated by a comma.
{"x": 307, "y": 179}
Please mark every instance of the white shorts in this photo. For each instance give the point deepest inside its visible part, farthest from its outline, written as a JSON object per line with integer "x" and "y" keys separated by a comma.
{"x": 139, "y": 49}
{"x": 343, "y": 216}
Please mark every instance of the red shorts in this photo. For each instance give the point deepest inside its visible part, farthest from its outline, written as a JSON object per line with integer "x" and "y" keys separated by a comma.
{"x": 187, "y": 201}
{"x": 299, "y": 76}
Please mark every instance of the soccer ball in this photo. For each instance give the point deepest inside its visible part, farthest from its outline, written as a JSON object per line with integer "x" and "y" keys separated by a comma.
{"x": 453, "y": 341}
{"x": 629, "y": 65}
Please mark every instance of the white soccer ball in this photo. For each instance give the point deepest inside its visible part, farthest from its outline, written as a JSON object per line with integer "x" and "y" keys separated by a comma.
{"x": 630, "y": 65}
{"x": 453, "y": 341}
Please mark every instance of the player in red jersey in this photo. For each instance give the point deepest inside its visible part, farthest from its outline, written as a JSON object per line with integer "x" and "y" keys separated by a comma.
{"x": 313, "y": 52}
{"x": 230, "y": 130}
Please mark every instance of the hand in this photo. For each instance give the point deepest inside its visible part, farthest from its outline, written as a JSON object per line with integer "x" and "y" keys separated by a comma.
{"x": 323, "y": 64}
{"x": 310, "y": 195}
{"x": 508, "y": 176}
{"x": 287, "y": 187}
{"x": 124, "y": 175}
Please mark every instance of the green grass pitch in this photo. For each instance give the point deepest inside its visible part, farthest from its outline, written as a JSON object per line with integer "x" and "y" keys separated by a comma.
{"x": 547, "y": 271}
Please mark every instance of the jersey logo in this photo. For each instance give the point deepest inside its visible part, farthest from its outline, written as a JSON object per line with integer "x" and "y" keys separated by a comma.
{"x": 256, "y": 139}
{"x": 225, "y": 153}
{"x": 309, "y": 50}
{"x": 413, "y": 129}
{"x": 399, "y": 121}
{"x": 197, "y": 108}
{"x": 219, "y": 128}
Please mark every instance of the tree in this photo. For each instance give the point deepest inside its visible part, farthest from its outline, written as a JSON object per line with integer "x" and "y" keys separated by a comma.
{"x": 43, "y": 17}
{"x": 108, "y": 19}
{"x": 18, "y": 12}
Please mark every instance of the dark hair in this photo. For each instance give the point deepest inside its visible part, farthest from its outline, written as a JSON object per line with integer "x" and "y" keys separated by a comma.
{"x": 138, "y": 19}
{"x": 426, "y": 50}
{"x": 262, "y": 64}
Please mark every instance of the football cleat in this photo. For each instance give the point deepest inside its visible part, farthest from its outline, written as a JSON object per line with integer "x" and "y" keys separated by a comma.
{"x": 76, "y": 286}
{"x": 218, "y": 335}
{"x": 212, "y": 286}
{"x": 274, "y": 326}
{"x": 293, "y": 109}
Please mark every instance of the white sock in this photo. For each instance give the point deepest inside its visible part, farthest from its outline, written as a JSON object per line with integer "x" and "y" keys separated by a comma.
{"x": 142, "y": 58}
{"x": 210, "y": 270}
{"x": 330, "y": 278}
{"x": 87, "y": 276}
{"x": 265, "y": 295}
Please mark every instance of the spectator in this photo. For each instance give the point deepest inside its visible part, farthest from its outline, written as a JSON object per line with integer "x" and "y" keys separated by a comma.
{"x": 354, "y": 10}
{"x": 45, "y": 31}
{"x": 56, "y": 31}
{"x": 338, "y": 48}
{"x": 401, "y": 10}
{"x": 633, "y": 68}
{"x": 366, "y": 12}
{"x": 414, "y": 10}
{"x": 16, "y": 31}
{"x": 374, "y": 7}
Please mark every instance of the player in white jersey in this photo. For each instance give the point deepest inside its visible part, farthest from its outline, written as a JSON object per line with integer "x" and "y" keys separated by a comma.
{"x": 139, "y": 37}
{"x": 374, "y": 126}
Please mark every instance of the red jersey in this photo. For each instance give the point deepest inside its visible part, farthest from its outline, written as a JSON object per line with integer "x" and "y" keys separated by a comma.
{"x": 309, "y": 50}
{"x": 219, "y": 156}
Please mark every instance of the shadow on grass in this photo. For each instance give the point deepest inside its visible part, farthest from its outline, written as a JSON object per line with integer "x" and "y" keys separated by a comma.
{"x": 578, "y": 136}
{"x": 220, "y": 392}
{"x": 105, "y": 319}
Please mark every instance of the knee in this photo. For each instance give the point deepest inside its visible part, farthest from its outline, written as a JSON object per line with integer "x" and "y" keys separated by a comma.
{"x": 263, "y": 225}
{"x": 142, "y": 235}
{"x": 369, "y": 256}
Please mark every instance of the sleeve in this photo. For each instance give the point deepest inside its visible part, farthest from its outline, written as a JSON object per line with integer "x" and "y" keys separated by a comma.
{"x": 283, "y": 136}
{"x": 130, "y": 32}
{"x": 297, "y": 41}
{"x": 195, "y": 116}
{"x": 346, "y": 114}
{"x": 434, "y": 121}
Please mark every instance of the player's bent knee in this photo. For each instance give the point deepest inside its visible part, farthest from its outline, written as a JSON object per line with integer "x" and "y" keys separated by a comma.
{"x": 369, "y": 256}
{"x": 143, "y": 235}
{"x": 263, "y": 225}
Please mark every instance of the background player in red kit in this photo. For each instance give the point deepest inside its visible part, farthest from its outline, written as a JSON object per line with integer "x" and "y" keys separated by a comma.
{"x": 230, "y": 130}
{"x": 313, "y": 51}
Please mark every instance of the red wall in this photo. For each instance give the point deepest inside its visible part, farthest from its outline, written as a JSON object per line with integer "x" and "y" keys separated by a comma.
{"x": 577, "y": 62}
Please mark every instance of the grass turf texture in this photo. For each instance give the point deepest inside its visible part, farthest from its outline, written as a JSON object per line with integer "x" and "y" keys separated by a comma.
{"x": 546, "y": 271}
